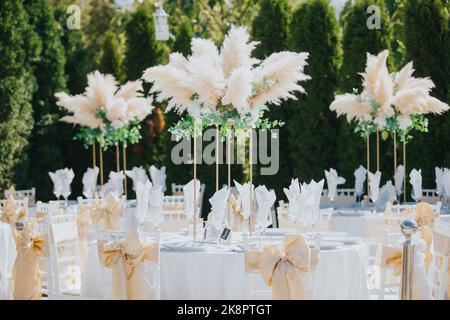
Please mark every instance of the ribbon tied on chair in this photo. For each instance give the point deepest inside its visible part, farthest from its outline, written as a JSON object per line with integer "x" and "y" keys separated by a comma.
{"x": 126, "y": 258}
{"x": 26, "y": 278}
{"x": 283, "y": 270}
{"x": 11, "y": 213}
{"x": 108, "y": 213}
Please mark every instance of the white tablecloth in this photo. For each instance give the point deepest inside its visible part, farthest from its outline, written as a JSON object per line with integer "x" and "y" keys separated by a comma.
{"x": 7, "y": 258}
{"x": 7, "y": 250}
{"x": 341, "y": 274}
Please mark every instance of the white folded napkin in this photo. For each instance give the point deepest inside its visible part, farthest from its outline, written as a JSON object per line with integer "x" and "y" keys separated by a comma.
{"x": 156, "y": 200}
{"x": 244, "y": 192}
{"x": 415, "y": 179}
{"x": 62, "y": 179}
{"x": 333, "y": 180}
{"x": 218, "y": 201}
{"x": 439, "y": 183}
{"x": 90, "y": 182}
{"x": 387, "y": 194}
{"x": 158, "y": 177}
{"x": 316, "y": 189}
{"x": 142, "y": 199}
{"x": 293, "y": 195}
{"x": 188, "y": 192}
{"x": 265, "y": 200}
{"x": 446, "y": 181}
{"x": 137, "y": 174}
{"x": 398, "y": 179}
{"x": 57, "y": 187}
{"x": 360, "y": 177}
{"x": 114, "y": 184}
{"x": 374, "y": 183}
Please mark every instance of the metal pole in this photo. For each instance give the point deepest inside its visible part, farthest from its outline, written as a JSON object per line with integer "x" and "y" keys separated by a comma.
{"x": 217, "y": 157}
{"x": 101, "y": 164}
{"x": 368, "y": 161}
{"x": 251, "y": 181}
{"x": 395, "y": 152}
{"x": 404, "y": 165}
{"x": 229, "y": 171}
{"x": 94, "y": 160}
{"x": 117, "y": 158}
{"x": 124, "y": 155}
{"x": 408, "y": 227}
{"x": 195, "y": 185}
{"x": 378, "y": 150}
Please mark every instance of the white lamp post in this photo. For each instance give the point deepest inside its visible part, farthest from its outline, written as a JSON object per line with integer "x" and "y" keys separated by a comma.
{"x": 161, "y": 26}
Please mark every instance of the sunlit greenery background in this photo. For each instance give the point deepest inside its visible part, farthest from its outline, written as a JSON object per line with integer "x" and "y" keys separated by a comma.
{"x": 40, "y": 56}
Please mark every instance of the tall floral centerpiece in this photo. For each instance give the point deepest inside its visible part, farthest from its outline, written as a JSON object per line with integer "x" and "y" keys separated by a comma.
{"x": 107, "y": 114}
{"x": 225, "y": 87}
{"x": 395, "y": 103}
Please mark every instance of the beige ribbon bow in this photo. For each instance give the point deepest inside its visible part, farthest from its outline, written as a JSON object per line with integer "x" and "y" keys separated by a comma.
{"x": 108, "y": 213}
{"x": 26, "y": 278}
{"x": 238, "y": 217}
{"x": 127, "y": 258}
{"x": 11, "y": 213}
{"x": 284, "y": 270}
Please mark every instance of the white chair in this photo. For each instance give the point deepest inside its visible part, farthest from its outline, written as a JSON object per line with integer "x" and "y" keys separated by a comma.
{"x": 64, "y": 257}
{"x": 22, "y": 204}
{"x": 177, "y": 189}
{"x": 174, "y": 217}
{"x": 343, "y": 197}
{"x": 255, "y": 287}
{"x": 430, "y": 196}
{"x": 30, "y": 194}
{"x": 439, "y": 268}
{"x": 151, "y": 269}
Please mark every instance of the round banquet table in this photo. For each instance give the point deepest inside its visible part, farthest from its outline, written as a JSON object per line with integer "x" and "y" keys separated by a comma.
{"x": 340, "y": 274}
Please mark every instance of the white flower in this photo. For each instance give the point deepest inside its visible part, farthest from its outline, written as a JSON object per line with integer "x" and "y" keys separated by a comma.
{"x": 380, "y": 122}
{"x": 404, "y": 122}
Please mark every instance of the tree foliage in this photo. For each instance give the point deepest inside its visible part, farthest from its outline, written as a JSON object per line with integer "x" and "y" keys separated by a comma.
{"x": 19, "y": 48}
{"x": 312, "y": 126}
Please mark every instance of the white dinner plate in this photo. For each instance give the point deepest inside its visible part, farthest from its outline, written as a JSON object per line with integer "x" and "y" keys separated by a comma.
{"x": 333, "y": 234}
{"x": 347, "y": 240}
{"x": 185, "y": 246}
{"x": 330, "y": 245}
{"x": 279, "y": 231}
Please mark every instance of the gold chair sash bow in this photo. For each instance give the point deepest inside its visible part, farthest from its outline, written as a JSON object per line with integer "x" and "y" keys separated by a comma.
{"x": 238, "y": 217}
{"x": 26, "y": 278}
{"x": 284, "y": 270}
{"x": 108, "y": 213}
{"x": 126, "y": 259}
{"x": 11, "y": 213}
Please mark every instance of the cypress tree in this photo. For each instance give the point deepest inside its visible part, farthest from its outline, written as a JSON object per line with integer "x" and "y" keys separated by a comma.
{"x": 141, "y": 52}
{"x": 45, "y": 152}
{"x": 111, "y": 57}
{"x": 357, "y": 41}
{"x": 426, "y": 28}
{"x": 78, "y": 65}
{"x": 19, "y": 46}
{"x": 312, "y": 126}
{"x": 271, "y": 28}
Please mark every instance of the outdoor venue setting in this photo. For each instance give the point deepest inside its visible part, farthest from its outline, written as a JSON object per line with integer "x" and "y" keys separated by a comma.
{"x": 224, "y": 150}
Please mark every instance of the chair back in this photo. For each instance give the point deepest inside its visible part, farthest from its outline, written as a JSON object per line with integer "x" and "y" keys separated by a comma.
{"x": 151, "y": 268}
{"x": 439, "y": 270}
{"x": 64, "y": 256}
{"x": 30, "y": 194}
